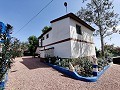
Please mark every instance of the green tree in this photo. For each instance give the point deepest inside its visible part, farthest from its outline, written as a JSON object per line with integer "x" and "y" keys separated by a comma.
{"x": 17, "y": 47}
{"x": 115, "y": 51}
{"x": 101, "y": 14}
{"x": 5, "y": 55}
{"x": 33, "y": 44}
{"x": 24, "y": 46}
{"x": 45, "y": 29}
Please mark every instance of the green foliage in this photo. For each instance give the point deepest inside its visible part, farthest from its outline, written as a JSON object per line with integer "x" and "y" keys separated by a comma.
{"x": 45, "y": 29}
{"x": 65, "y": 63}
{"x": 102, "y": 63}
{"x": 83, "y": 66}
{"x": 51, "y": 60}
{"x": 33, "y": 44}
{"x": 5, "y": 55}
{"x": 101, "y": 14}
{"x": 17, "y": 47}
{"x": 111, "y": 50}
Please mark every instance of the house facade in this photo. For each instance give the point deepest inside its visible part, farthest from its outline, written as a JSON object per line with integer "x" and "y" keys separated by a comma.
{"x": 68, "y": 37}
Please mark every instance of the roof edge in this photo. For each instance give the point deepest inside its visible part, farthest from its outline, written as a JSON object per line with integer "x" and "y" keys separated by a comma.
{"x": 74, "y": 17}
{"x": 49, "y": 29}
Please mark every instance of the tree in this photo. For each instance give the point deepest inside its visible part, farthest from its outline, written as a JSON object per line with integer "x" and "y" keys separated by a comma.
{"x": 115, "y": 51}
{"x": 101, "y": 14}
{"x": 5, "y": 55}
{"x": 33, "y": 44}
{"x": 24, "y": 46}
{"x": 45, "y": 29}
{"x": 17, "y": 47}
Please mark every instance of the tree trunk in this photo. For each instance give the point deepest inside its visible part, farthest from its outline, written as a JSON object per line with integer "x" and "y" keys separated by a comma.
{"x": 102, "y": 41}
{"x": 102, "y": 46}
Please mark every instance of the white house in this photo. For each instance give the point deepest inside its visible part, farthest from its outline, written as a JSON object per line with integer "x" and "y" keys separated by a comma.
{"x": 68, "y": 37}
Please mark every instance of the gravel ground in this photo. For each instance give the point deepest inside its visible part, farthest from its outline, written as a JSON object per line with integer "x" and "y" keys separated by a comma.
{"x": 29, "y": 73}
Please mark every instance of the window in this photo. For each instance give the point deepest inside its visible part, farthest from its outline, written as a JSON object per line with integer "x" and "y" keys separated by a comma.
{"x": 40, "y": 42}
{"x": 78, "y": 29}
{"x": 42, "y": 38}
{"x": 47, "y": 36}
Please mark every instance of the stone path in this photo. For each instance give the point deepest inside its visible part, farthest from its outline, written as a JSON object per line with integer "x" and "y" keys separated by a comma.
{"x": 29, "y": 73}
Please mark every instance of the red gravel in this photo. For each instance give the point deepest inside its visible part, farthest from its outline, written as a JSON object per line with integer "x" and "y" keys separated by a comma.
{"x": 29, "y": 73}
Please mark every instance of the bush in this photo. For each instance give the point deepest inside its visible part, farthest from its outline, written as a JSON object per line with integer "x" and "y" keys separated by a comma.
{"x": 65, "y": 63}
{"x": 102, "y": 63}
{"x": 51, "y": 60}
{"x": 83, "y": 66}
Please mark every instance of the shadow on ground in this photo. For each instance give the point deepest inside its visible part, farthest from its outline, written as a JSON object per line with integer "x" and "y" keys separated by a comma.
{"x": 33, "y": 63}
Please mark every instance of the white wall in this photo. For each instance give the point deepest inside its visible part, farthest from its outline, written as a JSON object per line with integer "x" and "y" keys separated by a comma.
{"x": 62, "y": 49}
{"x": 81, "y": 49}
{"x": 49, "y": 40}
{"x": 66, "y": 28}
{"x": 60, "y": 31}
{"x": 42, "y": 54}
{"x": 87, "y": 35}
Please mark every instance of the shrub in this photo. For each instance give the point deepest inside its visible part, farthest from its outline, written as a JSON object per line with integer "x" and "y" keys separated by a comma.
{"x": 65, "y": 63}
{"x": 53, "y": 60}
{"x": 102, "y": 63}
{"x": 83, "y": 66}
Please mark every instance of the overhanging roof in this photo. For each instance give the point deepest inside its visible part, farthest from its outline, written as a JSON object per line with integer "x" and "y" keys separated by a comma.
{"x": 74, "y": 17}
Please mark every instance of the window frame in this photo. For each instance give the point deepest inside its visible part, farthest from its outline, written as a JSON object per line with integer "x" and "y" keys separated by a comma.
{"x": 78, "y": 29}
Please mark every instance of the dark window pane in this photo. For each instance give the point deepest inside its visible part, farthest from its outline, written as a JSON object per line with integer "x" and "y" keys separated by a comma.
{"x": 41, "y": 42}
{"x": 78, "y": 29}
{"x": 47, "y": 36}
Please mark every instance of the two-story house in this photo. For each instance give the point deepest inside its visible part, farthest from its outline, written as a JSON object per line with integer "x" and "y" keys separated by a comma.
{"x": 68, "y": 37}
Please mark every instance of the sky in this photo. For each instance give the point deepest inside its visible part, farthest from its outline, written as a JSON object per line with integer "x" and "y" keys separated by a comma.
{"x": 19, "y": 12}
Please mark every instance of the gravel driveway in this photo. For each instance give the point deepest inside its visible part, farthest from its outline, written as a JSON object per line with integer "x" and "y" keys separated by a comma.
{"x": 29, "y": 73}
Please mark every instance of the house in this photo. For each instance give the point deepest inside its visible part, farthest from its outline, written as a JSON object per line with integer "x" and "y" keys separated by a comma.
{"x": 68, "y": 37}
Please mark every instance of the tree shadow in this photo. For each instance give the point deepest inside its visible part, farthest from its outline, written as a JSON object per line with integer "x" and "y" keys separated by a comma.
{"x": 33, "y": 63}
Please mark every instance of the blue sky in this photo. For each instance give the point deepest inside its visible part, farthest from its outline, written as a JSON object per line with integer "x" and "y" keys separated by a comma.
{"x": 19, "y": 12}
